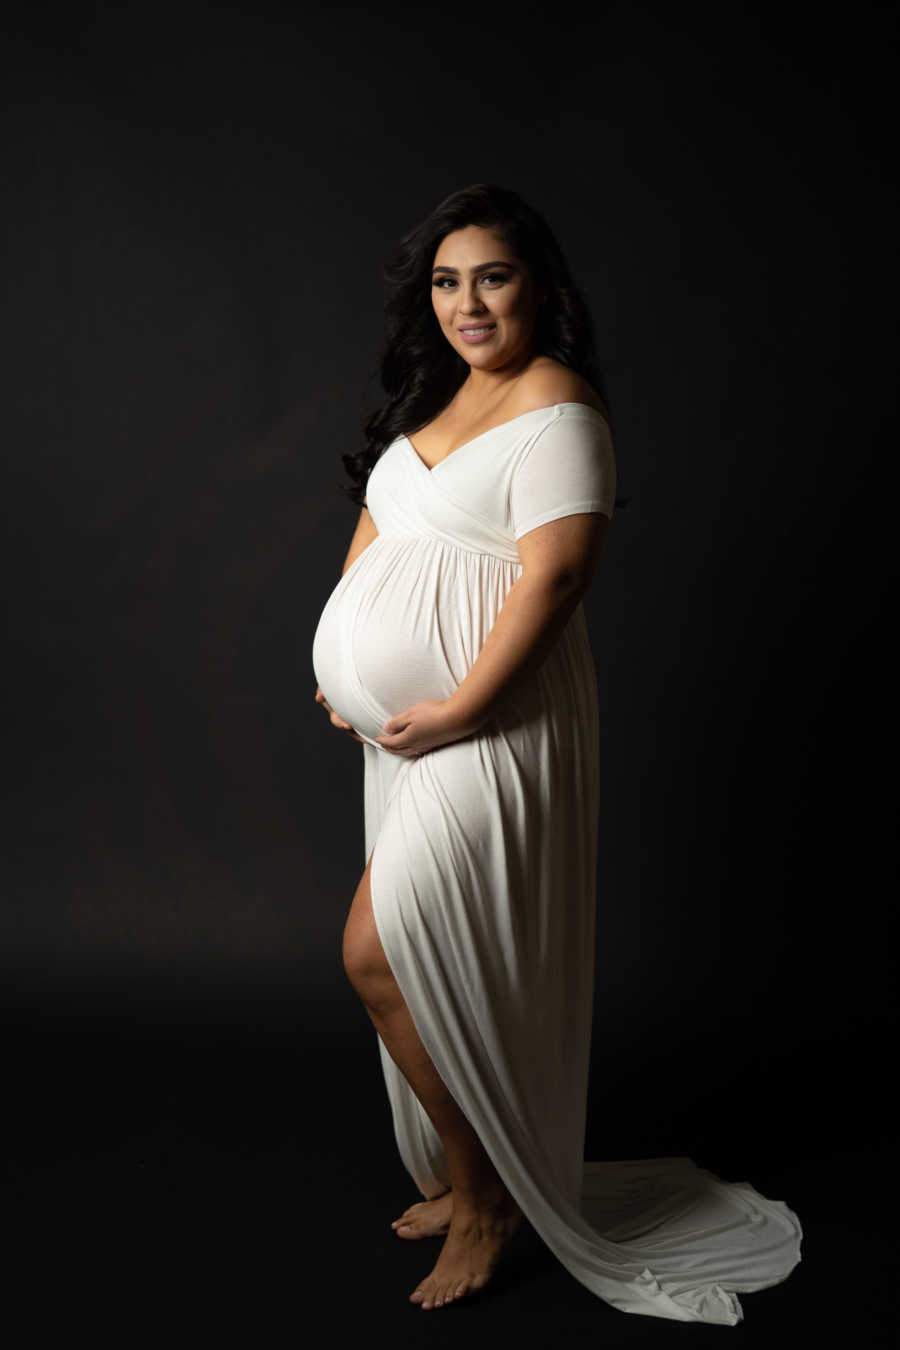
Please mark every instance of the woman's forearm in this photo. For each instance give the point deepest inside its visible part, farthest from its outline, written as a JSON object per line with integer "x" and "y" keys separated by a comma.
{"x": 531, "y": 619}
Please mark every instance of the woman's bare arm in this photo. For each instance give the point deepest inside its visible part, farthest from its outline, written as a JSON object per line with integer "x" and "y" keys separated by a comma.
{"x": 363, "y": 535}
{"x": 558, "y": 562}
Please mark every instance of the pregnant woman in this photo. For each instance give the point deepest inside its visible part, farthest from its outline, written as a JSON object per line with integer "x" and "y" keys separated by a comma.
{"x": 455, "y": 649}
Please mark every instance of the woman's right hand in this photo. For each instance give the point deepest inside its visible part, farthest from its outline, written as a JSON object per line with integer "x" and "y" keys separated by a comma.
{"x": 336, "y": 719}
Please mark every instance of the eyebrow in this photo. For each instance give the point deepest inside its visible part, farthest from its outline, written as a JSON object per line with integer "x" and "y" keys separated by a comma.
{"x": 480, "y": 268}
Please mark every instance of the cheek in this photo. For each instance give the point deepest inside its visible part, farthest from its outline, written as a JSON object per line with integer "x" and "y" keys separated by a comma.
{"x": 510, "y": 307}
{"x": 440, "y": 306}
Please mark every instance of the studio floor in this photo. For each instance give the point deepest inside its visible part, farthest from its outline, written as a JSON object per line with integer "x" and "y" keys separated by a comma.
{"x": 194, "y": 1181}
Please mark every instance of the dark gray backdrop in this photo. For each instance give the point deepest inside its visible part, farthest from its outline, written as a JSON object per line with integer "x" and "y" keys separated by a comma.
{"x": 199, "y": 203}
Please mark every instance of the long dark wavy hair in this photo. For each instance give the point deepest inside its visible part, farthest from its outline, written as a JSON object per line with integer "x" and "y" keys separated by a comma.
{"x": 420, "y": 371}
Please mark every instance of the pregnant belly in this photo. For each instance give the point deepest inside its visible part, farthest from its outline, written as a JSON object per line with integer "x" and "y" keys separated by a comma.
{"x": 380, "y": 645}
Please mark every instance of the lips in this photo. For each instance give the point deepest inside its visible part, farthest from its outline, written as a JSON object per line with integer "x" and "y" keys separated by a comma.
{"x": 477, "y": 335}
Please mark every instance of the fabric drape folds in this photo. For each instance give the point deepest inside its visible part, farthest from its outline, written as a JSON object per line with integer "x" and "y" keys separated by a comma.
{"x": 484, "y": 872}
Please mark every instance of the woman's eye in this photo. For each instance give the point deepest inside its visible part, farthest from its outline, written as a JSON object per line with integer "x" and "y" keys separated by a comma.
{"x": 496, "y": 276}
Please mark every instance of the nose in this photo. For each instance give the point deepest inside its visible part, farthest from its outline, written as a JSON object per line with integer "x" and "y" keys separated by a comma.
{"x": 469, "y": 302}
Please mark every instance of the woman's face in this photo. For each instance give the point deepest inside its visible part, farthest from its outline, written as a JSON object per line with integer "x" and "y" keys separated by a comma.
{"x": 478, "y": 283}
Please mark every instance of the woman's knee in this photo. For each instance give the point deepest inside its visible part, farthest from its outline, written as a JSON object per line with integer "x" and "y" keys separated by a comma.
{"x": 363, "y": 955}
{"x": 360, "y": 959}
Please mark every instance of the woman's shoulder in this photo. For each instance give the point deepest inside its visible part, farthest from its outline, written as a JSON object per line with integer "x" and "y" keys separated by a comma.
{"x": 547, "y": 382}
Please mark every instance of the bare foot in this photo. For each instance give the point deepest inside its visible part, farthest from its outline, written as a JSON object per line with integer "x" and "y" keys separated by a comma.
{"x": 429, "y": 1218}
{"x": 471, "y": 1251}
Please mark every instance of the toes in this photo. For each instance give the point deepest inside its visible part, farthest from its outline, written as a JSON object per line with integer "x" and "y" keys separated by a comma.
{"x": 425, "y": 1295}
{"x": 405, "y": 1224}
{"x": 407, "y": 1227}
{"x": 439, "y": 1296}
{"x": 420, "y": 1220}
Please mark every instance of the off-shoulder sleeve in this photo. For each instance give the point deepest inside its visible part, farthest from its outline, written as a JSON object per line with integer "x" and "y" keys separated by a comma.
{"x": 570, "y": 467}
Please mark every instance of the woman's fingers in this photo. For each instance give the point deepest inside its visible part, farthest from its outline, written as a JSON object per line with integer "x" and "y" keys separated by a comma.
{"x": 335, "y": 718}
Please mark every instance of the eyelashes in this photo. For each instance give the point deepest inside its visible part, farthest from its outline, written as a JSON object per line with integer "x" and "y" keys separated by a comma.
{"x": 500, "y": 276}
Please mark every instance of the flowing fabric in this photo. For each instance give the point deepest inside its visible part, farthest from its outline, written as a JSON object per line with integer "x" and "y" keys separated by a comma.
{"x": 483, "y": 877}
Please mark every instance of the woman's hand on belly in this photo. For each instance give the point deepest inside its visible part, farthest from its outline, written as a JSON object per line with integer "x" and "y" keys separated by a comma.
{"x": 336, "y": 719}
{"x": 423, "y": 726}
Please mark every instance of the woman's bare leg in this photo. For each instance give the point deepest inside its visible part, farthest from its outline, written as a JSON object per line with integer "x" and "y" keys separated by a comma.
{"x": 484, "y": 1214}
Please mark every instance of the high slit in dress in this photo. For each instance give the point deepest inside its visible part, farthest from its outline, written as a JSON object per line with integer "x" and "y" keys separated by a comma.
{"x": 484, "y": 871}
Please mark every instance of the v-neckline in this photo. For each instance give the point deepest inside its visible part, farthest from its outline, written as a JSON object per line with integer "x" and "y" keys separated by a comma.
{"x": 430, "y": 468}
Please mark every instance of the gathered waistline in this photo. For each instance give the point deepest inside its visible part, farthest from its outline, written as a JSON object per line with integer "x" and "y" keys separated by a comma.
{"x": 450, "y": 543}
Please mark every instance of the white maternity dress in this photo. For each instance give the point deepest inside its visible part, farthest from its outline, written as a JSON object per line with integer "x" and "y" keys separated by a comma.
{"x": 483, "y": 878}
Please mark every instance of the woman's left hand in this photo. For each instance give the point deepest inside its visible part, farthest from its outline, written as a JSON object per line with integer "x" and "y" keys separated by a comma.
{"x": 424, "y": 726}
